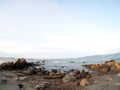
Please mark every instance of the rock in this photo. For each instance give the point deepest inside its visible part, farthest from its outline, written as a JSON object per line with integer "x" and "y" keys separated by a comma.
{"x": 54, "y": 70}
{"x": 110, "y": 63}
{"x": 46, "y": 83}
{"x": 104, "y": 68}
{"x": 45, "y": 72}
{"x": 84, "y": 82}
{"x": 108, "y": 79}
{"x": 21, "y": 78}
{"x": 37, "y": 87}
{"x": 85, "y": 74}
{"x": 21, "y": 63}
{"x": 72, "y": 61}
{"x": 113, "y": 68}
{"x": 7, "y": 66}
{"x": 18, "y": 64}
{"x": 84, "y": 62}
{"x": 108, "y": 67}
{"x": 71, "y": 70}
{"x": 3, "y": 81}
{"x": 96, "y": 81}
{"x": 95, "y": 66}
{"x": 118, "y": 74}
{"x": 33, "y": 70}
{"x": 67, "y": 79}
{"x": 54, "y": 75}
{"x": 20, "y": 86}
{"x": 76, "y": 74}
{"x": 42, "y": 86}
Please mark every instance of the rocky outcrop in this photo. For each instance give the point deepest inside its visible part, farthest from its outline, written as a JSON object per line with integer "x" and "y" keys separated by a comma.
{"x": 20, "y": 63}
{"x": 108, "y": 67}
{"x": 75, "y": 75}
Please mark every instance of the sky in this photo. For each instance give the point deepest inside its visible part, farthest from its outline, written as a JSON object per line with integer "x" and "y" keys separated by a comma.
{"x": 59, "y": 28}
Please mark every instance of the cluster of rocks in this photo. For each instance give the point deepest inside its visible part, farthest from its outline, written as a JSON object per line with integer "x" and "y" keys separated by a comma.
{"x": 66, "y": 77}
{"x": 29, "y": 68}
{"x": 20, "y": 63}
{"x": 75, "y": 75}
{"x": 110, "y": 66}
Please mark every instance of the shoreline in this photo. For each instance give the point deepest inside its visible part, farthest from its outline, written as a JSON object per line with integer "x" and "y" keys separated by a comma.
{"x": 40, "y": 79}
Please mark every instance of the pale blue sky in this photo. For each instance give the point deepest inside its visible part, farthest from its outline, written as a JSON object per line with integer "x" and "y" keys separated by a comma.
{"x": 59, "y": 28}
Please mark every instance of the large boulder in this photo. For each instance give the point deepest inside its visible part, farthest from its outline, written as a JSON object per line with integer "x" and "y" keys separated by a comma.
{"x": 20, "y": 63}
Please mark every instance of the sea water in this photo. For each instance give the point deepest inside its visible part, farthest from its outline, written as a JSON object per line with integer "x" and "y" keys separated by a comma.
{"x": 72, "y": 63}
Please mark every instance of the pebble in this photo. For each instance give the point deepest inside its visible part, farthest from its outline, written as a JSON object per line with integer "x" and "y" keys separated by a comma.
{"x": 84, "y": 82}
{"x": 20, "y": 78}
{"x": 108, "y": 79}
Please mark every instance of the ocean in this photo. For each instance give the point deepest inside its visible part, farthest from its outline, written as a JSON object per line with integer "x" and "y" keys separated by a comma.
{"x": 70, "y": 63}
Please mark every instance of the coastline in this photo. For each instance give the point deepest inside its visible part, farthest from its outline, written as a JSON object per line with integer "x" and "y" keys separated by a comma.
{"x": 41, "y": 79}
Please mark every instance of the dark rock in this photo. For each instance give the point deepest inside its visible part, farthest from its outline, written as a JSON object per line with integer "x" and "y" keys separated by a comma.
{"x": 42, "y": 86}
{"x": 54, "y": 70}
{"x": 18, "y": 64}
{"x": 20, "y": 86}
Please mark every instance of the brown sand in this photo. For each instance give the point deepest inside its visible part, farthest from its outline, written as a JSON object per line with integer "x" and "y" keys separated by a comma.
{"x": 96, "y": 82}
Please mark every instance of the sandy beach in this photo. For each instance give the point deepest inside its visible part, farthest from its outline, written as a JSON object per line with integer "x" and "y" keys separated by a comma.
{"x": 98, "y": 83}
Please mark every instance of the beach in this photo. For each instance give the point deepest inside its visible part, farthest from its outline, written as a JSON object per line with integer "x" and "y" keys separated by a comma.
{"x": 40, "y": 79}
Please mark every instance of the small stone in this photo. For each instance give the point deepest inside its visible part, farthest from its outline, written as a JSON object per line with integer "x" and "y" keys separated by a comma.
{"x": 46, "y": 83}
{"x": 72, "y": 61}
{"x": 108, "y": 79}
{"x": 20, "y": 86}
{"x": 23, "y": 78}
{"x": 54, "y": 70}
{"x": 84, "y": 82}
{"x": 96, "y": 81}
{"x": 41, "y": 86}
{"x": 67, "y": 79}
{"x": 20, "y": 78}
